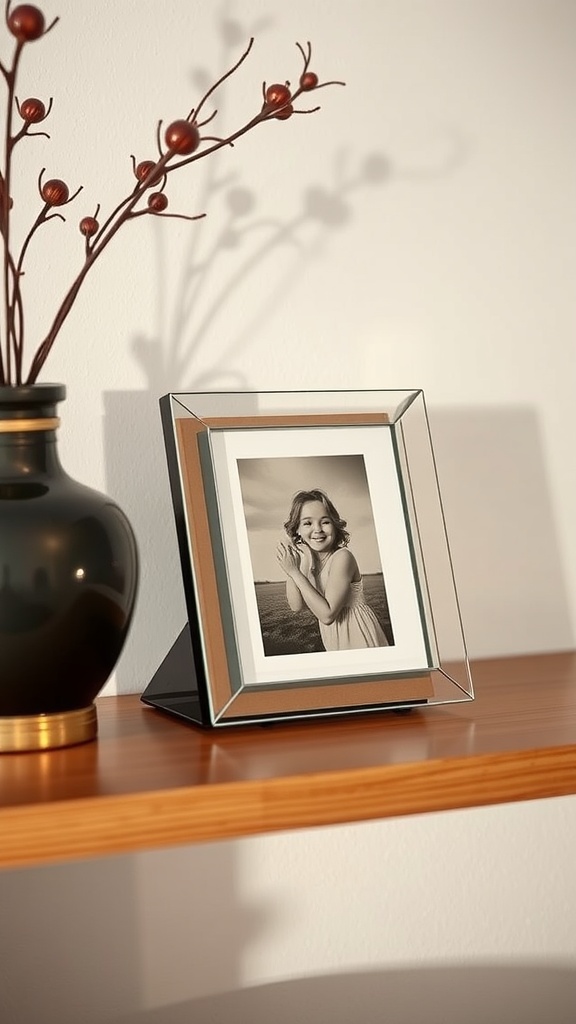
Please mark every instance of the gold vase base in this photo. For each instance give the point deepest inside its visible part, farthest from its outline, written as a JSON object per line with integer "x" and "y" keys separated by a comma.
{"x": 24, "y": 733}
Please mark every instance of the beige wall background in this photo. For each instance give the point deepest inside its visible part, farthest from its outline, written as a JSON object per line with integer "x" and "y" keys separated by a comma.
{"x": 418, "y": 231}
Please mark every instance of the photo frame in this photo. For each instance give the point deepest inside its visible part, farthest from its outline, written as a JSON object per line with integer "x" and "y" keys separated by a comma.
{"x": 315, "y": 561}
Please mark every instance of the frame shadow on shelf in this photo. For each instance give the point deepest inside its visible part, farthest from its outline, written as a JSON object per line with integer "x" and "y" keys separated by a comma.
{"x": 289, "y": 505}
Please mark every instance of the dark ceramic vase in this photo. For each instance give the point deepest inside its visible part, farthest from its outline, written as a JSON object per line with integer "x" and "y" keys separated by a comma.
{"x": 68, "y": 581}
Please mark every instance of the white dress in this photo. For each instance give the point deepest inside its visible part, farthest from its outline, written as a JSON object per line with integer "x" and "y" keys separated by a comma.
{"x": 356, "y": 626}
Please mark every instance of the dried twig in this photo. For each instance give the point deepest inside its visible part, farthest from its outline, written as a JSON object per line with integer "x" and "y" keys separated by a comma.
{"x": 181, "y": 143}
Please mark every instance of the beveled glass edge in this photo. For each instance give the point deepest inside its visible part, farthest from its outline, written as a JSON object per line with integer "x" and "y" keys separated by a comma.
{"x": 443, "y": 543}
{"x": 249, "y": 402}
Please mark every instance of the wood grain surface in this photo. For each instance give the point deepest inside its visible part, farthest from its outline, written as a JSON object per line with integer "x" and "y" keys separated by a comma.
{"x": 151, "y": 780}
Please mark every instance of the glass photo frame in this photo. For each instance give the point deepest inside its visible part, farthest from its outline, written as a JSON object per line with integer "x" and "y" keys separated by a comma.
{"x": 315, "y": 561}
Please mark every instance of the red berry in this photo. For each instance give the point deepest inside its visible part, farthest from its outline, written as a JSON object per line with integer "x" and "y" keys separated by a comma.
{"x": 157, "y": 202}
{"x": 285, "y": 113}
{"x": 277, "y": 95}
{"x": 308, "y": 81}
{"x": 143, "y": 170}
{"x": 182, "y": 137}
{"x": 89, "y": 226}
{"x": 26, "y": 22}
{"x": 55, "y": 192}
{"x": 32, "y": 110}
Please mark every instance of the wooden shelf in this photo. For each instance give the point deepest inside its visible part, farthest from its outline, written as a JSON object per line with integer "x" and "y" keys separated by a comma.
{"x": 151, "y": 781}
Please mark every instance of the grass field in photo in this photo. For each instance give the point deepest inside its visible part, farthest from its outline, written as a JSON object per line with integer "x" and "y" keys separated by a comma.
{"x": 288, "y": 632}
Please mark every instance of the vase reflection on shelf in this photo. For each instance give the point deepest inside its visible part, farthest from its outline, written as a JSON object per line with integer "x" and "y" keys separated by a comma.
{"x": 68, "y": 581}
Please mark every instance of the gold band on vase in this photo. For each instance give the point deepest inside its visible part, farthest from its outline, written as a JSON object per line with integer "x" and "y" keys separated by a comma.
{"x": 22, "y": 733}
{"x": 16, "y": 426}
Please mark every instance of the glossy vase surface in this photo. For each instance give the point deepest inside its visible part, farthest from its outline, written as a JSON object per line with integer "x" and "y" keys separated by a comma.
{"x": 68, "y": 581}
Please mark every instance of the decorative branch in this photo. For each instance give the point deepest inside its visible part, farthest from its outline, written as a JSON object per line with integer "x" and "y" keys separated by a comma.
{"x": 180, "y": 144}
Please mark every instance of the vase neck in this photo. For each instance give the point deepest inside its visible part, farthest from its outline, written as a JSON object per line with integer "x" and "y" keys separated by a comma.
{"x": 29, "y": 455}
{"x": 28, "y": 422}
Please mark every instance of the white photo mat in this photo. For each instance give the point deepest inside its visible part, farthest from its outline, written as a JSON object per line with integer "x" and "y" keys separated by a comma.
{"x": 410, "y": 652}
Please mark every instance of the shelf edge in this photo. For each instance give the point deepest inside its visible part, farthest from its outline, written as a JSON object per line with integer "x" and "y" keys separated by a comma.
{"x": 116, "y": 824}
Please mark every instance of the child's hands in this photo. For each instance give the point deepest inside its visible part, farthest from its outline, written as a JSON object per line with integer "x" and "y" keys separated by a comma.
{"x": 306, "y": 558}
{"x": 288, "y": 557}
{"x": 293, "y": 557}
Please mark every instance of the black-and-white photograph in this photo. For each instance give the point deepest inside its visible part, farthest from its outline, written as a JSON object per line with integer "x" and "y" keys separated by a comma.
{"x": 314, "y": 552}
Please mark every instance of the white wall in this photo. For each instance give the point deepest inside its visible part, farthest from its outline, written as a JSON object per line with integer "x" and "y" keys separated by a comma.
{"x": 418, "y": 231}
